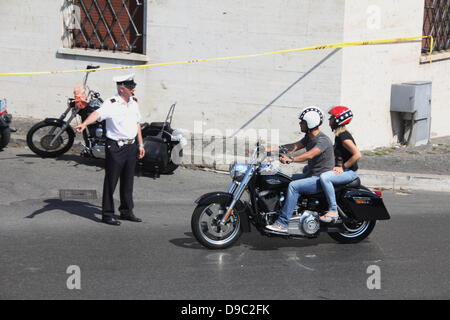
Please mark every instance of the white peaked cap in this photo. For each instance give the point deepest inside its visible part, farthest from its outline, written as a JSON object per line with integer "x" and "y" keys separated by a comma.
{"x": 123, "y": 78}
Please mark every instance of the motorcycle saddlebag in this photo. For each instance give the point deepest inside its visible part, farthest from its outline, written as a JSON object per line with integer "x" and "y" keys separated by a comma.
{"x": 363, "y": 204}
{"x": 156, "y": 153}
{"x": 159, "y": 125}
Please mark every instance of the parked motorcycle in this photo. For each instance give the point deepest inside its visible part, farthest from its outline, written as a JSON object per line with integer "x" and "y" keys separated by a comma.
{"x": 5, "y": 122}
{"x": 54, "y": 136}
{"x": 256, "y": 196}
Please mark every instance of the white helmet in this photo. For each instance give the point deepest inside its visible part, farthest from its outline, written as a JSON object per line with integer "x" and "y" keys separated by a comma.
{"x": 312, "y": 115}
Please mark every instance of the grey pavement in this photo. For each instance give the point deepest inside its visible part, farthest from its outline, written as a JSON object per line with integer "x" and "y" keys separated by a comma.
{"x": 41, "y": 236}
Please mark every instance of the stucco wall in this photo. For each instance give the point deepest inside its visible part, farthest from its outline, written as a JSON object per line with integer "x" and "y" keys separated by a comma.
{"x": 30, "y": 37}
{"x": 369, "y": 71}
{"x": 224, "y": 95}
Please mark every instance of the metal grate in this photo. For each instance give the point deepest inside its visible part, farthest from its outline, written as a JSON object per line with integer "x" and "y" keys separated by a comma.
{"x": 115, "y": 25}
{"x": 71, "y": 194}
{"x": 437, "y": 24}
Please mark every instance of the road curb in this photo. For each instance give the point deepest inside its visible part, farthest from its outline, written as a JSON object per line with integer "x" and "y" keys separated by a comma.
{"x": 370, "y": 178}
{"x": 397, "y": 181}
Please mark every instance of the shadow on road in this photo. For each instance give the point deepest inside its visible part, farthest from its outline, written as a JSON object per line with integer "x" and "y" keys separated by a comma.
{"x": 82, "y": 209}
{"x": 189, "y": 243}
{"x": 99, "y": 164}
{"x": 256, "y": 242}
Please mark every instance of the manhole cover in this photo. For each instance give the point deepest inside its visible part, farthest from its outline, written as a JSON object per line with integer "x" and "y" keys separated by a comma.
{"x": 70, "y": 194}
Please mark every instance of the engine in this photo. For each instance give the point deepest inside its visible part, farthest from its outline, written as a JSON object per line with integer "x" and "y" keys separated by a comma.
{"x": 307, "y": 224}
{"x": 269, "y": 201}
{"x": 269, "y": 204}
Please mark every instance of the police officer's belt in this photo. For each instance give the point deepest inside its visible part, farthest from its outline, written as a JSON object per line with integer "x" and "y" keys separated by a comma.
{"x": 122, "y": 142}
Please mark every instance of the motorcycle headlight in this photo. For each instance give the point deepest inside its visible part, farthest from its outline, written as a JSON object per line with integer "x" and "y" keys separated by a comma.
{"x": 238, "y": 170}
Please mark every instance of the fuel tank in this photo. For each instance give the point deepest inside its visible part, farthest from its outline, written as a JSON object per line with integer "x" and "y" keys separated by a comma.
{"x": 273, "y": 182}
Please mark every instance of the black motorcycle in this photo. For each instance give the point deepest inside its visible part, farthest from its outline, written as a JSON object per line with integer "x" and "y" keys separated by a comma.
{"x": 5, "y": 122}
{"x": 256, "y": 196}
{"x": 54, "y": 136}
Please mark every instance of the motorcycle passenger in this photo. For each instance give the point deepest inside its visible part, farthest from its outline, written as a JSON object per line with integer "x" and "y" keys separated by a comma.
{"x": 347, "y": 156}
{"x": 319, "y": 153}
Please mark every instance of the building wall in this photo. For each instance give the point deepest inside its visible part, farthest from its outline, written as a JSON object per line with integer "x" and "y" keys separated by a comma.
{"x": 369, "y": 71}
{"x": 30, "y": 37}
{"x": 227, "y": 94}
{"x": 223, "y": 95}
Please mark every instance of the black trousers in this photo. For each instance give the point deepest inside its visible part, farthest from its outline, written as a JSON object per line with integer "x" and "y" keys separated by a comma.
{"x": 120, "y": 163}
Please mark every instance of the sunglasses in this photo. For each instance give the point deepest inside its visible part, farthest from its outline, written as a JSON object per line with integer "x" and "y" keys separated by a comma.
{"x": 129, "y": 86}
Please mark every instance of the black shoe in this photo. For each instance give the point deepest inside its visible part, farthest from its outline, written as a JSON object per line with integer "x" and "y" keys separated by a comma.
{"x": 111, "y": 221}
{"x": 130, "y": 217}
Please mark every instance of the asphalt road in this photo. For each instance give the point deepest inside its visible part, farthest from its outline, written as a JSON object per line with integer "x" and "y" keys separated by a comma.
{"x": 41, "y": 236}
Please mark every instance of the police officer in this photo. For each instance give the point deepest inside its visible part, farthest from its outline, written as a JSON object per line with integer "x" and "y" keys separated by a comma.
{"x": 123, "y": 130}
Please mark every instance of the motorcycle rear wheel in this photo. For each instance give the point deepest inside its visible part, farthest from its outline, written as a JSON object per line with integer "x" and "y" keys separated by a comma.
{"x": 208, "y": 232}
{"x": 5, "y": 136}
{"x": 40, "y": 145}
{"x": 356, "y": 231}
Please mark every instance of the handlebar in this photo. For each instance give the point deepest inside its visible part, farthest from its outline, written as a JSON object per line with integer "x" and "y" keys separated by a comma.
{"x": 91, "y": 67}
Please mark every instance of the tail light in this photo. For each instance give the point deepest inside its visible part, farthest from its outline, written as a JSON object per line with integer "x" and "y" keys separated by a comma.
{"x": 379, "y": 193}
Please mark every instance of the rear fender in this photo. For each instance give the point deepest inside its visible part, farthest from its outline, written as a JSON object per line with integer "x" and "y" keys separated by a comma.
{"x": 225, "y": 199}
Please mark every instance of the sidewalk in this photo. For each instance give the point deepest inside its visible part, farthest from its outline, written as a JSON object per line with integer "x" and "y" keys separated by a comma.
{"x": 399, "y": 168}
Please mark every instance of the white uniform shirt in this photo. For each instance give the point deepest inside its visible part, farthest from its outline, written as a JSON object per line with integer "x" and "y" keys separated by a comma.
{"x": 121, "y": 118}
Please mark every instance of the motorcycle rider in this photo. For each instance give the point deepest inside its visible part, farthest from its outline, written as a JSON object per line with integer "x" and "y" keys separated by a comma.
{"x": 320, "y": 157}
{"x": 347, "y": 155}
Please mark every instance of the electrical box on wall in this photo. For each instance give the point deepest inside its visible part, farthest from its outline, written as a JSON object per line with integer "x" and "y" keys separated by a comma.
{"x": 413, "y": 101}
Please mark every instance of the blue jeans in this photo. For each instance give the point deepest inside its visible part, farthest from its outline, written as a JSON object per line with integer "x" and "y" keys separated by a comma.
{"x": 300, "y": 185}
{"x": 327, "y": 179}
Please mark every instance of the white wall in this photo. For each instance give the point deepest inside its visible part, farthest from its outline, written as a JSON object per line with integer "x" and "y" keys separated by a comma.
{"x": 369, "y": 71}
{"x": 224, "y": 94}
{"x": 30, "y": 37}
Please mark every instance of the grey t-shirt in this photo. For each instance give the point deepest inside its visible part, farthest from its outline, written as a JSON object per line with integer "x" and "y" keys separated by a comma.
{"x": 323, "y": 162}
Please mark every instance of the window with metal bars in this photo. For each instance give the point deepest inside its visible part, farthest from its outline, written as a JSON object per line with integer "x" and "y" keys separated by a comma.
{"x": 437, "y": 24}
{"x": 113, "y": 25}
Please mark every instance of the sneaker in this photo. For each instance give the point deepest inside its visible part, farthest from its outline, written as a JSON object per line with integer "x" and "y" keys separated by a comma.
{"x": 277, "y": 227}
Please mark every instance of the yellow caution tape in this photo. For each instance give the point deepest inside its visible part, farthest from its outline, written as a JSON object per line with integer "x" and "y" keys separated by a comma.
{"x": 322, "y": 47}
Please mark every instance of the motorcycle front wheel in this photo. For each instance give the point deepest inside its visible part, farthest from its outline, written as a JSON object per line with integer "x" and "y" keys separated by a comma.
{"x": 207, "y": 229}
{"x": 355, "y": 231}
{"x": 40, "y": 136}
